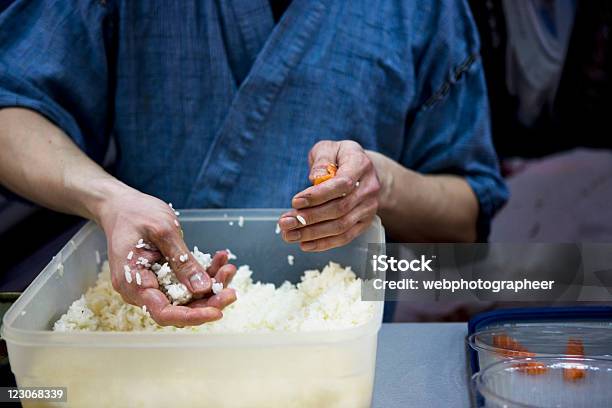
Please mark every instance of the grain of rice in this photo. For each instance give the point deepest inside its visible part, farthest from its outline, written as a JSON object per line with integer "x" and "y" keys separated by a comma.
{"x": 128, "y": 274}
{"x": 301, "y": 220}
{"x": 176, "y": 223}
{"x": 217, "y": 287}
{"x": 230, "y": 255}
{"x": 357, "y": 184}
{"x": 130, "y": 255}
{"x": 177, "y": 213}
{"x": 144, "y": 309}
{"x": 277, "y": 230}
{"x": 290, "y": 259}
{"x": 170, "y": 204}
{"x": 241, "y": 221}
{"x": 138, "y": 279}
{"x": 98, "y": 260}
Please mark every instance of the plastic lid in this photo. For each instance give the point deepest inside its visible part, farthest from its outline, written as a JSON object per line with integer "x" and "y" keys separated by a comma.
{"x": 545, "y": 340}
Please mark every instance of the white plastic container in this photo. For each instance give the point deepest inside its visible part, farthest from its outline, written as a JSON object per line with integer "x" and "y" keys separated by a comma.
{"x": 314, "y": 369}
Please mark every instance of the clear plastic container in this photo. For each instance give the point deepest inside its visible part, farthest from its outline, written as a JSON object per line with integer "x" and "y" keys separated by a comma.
{"x": 539, "y": 340}
{"x": 552, "y": 382}
{"x": 314, "y": 369}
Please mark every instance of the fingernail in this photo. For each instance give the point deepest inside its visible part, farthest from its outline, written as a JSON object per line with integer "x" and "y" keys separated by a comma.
{"x": 294, "y": 235}
{"x": 309, "y": 246}
{"x": 288, "y": 222}
{"x": 197, "y": 281}
{"x": 300, "y": 203}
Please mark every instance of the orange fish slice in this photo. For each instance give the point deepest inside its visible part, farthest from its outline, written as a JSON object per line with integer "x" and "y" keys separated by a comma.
{"x": 574, "y": 348}
{"x": 512, "y": 348}
{"x": 331, "y": 172}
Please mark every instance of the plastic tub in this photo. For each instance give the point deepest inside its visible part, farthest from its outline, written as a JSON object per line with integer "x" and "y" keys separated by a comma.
{"x": 315, "y": 369}
{"x": 507, "y": 384}
{"x": 541, "y": 341}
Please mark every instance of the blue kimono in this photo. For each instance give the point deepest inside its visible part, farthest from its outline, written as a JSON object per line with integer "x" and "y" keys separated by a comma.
{"x": 213, "y": 105}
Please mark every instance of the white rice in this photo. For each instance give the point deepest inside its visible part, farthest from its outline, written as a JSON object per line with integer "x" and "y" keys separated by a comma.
{"x": 230, "y": 255}
{"x": 98, "y": 260}
{"x": 301, "y": 220}
{"x": 290, "y": 259}
{"x": 323, "y": 300}
{"x": 241, "y": 221}
{"x": 217, "y": 287}
{"x": 128, "y": 274}
{"x": 138, "y": 279}
{"x": 177, "y": 293}
{"x": 277, "y": 230}
{"x": 130, "y": 255}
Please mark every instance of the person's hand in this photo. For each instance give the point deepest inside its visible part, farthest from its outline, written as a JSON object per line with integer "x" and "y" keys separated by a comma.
{"x": 128, "y": 216}
{"x": 338, "y": 210}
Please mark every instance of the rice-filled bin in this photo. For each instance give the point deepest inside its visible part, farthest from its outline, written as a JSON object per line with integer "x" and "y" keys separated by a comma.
{"x": 324, "y": 368}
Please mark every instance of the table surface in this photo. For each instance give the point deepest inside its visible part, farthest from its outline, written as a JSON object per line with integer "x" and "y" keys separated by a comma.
{"x": 421, "y": 365}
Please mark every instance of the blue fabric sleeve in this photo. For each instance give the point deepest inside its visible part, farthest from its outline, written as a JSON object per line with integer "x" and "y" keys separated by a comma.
{"x": 449, "y": 130}
{"x": 54, "y": 59}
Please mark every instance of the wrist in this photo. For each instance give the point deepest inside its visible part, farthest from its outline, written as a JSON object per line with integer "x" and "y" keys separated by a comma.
{"x": 101, "y": 198}
{"x": 386, "y": 178}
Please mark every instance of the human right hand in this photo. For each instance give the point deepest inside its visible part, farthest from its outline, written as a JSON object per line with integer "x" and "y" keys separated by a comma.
{"x": 128, "y": 216}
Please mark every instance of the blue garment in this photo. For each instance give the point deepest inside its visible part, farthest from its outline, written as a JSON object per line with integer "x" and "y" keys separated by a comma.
{"x": 213, "y": 105}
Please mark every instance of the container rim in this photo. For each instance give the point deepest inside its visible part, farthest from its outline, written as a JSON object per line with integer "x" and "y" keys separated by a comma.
{"x": 478, "y": 385}
{"x": 481, "y": 346}
{"x": 169, "y": 339}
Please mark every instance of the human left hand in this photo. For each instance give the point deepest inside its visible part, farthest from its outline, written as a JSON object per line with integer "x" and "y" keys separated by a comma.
{"x": 338, "y": 210}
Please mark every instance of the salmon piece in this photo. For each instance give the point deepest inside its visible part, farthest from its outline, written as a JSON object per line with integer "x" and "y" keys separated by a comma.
{"x": 331, "y": 172}
{"x": 512, "y": 348}
{"x": 574, "y": 347}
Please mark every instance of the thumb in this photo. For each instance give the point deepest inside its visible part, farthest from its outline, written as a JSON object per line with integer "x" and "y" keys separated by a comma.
{"x": 188, "y": 271}
{"x": 322, "y": 154}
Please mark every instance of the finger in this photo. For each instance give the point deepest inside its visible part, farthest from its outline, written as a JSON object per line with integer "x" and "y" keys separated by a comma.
{"x": 166, "y": 314}
{"x": 322, "y": 154}
{"x": 189, "y": 272}
{"x": 335, "y": 226}
{"x": 352, "y": 162}
{"x": 339, "y": 186}
{"x": 332, "y": 209}
{"x": 335, "y": 241}
{"x": 218, "y": 261}
{"x": 219, "y": 301}
{"x": 225, "y": 274}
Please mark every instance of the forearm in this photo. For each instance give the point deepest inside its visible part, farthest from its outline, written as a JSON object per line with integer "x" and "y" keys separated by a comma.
{"x": 39, "y": 162}
{"x": 424, "y": 208}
